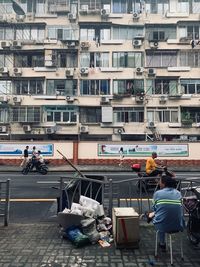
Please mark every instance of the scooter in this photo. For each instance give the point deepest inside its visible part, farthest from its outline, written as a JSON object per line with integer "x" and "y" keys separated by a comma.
{"x": 40, "y": 167}
{"x": 147, "y": 182}
{"x": 192, "y": 206}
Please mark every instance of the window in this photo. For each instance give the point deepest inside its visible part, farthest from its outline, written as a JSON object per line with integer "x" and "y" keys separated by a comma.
{"x": 161, "y": 59}
{"x": 95, "y": 87}
{"x": 94, "y": 34}
{"x": 160, "y": 33}
{"x": 62, "y": 33}
{"x": 62, "y": 87}
{"x": 28, "y": 87}
{"x": 190, "y": 58}
{"x": 127, "y": 59}
{"x": 94, "y": 60}
{"x": 4, "y": 60}
{"x": 92, "y": 4}
{"x": 128, "y": 87}
{"x": 162, "y": 86}
{"x": 196, "y": 6}
{"x": 157, "y": 6}
{"x": 127, "y": 115}
{"x": 127, "y": 32}
{"x": 26, "y": 114}
{"x": 189, "y": 31}
{"x": 61, "y": 114}
{"x": 29, "y": 60}
{"x": 190, "y": 86}
{"x": 90, "y": 115}
{"x": 3, "y": 115}
{"x": 183, "y": 6}
{"x": 162, "y": 114}
{"x": 5, "y": 86}
{"x": 67, "y": 60}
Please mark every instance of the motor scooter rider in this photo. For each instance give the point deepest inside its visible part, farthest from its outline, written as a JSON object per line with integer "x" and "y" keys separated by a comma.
{"x": 39, "y": 157}
{"x": 152, "y": 168}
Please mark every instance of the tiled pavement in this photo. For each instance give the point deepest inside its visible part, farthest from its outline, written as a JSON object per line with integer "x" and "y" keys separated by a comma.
{"x": 40, "y": 245}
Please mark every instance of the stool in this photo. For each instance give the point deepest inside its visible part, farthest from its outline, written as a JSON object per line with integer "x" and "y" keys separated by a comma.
{"x": 169, "y": 235}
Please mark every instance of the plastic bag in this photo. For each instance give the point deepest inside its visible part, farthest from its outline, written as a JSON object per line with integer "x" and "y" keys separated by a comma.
{"x": 75, "y": 235}
{"x": 89, "y": 229}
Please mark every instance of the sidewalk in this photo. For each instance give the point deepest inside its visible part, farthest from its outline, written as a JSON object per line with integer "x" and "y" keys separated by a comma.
{"x": 40, "y": 245}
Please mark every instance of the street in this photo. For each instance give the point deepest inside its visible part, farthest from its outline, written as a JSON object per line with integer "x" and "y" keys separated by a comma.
{"x": 34, "y": 197}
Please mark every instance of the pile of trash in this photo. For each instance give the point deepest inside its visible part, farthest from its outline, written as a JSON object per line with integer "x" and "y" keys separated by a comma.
{"x": 85, "y": 223}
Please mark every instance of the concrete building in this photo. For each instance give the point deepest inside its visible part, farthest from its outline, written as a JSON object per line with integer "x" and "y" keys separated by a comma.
{"x": 110, "y": 70}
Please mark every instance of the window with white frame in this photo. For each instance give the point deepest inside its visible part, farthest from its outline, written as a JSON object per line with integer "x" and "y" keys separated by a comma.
{"x": 128, "y": 114}
{"x": 95, "y": 87}
{"x": 161, "y": 59}
{"x": 160, "y": 32}
{"x": 5, "y": 87}
{"x": 127, "y": 59}
{"x": 183, "y": 6}
{"x": 168, "y": 114}
{"x": 5, "y": 60}
{"x": 191, "y": 31}
{"x": 191, "y": 86}
{"x": 28, "y": 87}
{"x": 61, "y": 114}
{"x": 94, "y": 59}
{"x": 96, "y": 33}
{"x": 90, "y": 114}
{"x": 127, "y": 32}
{"x": 128, "y": 87}
{"x": 26, "y": 114}
{"x": 91, "y": 4}
{"x": 61, "y": 87}
{"x": 190, "y": 58}
{"x": 67, "y": 59}
{"x": 127, "y": 6}
{"x": 6, "y": 7}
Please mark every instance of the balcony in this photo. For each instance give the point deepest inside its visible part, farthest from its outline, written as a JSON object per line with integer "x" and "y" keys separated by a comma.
{"x": 186, "y": 123}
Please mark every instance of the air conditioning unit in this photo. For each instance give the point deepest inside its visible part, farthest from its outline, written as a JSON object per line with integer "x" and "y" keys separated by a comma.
{"x": 69, "y": 72}
{"x": 104, "y": 12}
{"x": 84, "y": 8}
{"x": 151, "y": 124}
{"x": 137, "y": 42}
{"x": 84, "y": 129}
{"x": 16, "y": 44}
{"x": 118, "y": 130}
{"x": 50, "y": 130}
{"x": 105, "y": 100}
{"x": 139, "y": 98}
{"x": 17, "y": 99}
{"x": 85, "y": 45}
{"x": 139, "y": 70}
{"x": 3, "y": 129}
{"x": 72, "y": 16}
{"x": 17, "y": 71}
{"x": 4, "y": 70}
{"x": 27, "y": 128}
{"x": 4, "y": 99}
{"x": 71, "y": 45}
{"x": 20, "y": 18}
{"x": 163, "y": 99}
{"x": 5, "y": 44}
{"x": 136, "y": 15}
{"x": 84, "y": 71}
{"x": 70, "y": 99}
{"x": 151, "y": 72}
{"x": 153, "y": 45}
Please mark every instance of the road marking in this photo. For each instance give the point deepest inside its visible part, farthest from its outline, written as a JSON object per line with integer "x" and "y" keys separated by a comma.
{"x": 32, "y": 199}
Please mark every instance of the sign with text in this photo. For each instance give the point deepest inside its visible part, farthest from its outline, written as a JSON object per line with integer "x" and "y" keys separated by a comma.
{"x": 18, "y": 149}
{"x": 173, "y": 150}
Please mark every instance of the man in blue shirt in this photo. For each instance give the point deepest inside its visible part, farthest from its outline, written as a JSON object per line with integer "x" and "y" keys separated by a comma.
{"x": 167, "y": 212}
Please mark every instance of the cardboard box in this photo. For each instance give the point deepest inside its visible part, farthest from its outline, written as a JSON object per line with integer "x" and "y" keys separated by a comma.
{"x": 125, "y": 227}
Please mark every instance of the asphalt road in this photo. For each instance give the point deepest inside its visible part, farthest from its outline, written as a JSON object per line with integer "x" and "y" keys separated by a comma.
{"x": 34, "y": 197}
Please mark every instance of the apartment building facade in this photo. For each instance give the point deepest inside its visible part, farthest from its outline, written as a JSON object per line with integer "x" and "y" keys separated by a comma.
{"x": 100, "y": 70}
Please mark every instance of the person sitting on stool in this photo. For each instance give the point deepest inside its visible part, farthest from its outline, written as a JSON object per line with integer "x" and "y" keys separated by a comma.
{"x": 167, "y": 215}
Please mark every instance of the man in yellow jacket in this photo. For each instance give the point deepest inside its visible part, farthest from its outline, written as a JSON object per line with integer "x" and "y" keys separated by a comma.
{"x": 152, "y": 169}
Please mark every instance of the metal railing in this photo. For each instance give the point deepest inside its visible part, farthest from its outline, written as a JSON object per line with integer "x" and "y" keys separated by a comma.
{"x": 136, "y": 192}
{"x": 5, "y": 200}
